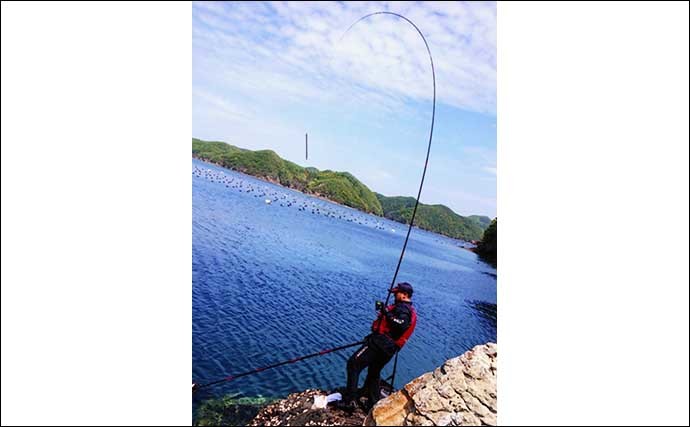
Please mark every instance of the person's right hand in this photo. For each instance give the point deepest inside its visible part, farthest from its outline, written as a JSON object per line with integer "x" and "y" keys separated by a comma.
{"x": 379, "y": 305}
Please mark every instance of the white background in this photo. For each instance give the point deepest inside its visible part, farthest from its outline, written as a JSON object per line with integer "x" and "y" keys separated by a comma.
{"x": 592, "y": 200}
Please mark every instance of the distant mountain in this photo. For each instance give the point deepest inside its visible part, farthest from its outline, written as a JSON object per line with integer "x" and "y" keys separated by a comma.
{"x": 437, "y": 218}
{"x": 484, "y": 221}
{"x": 340, "y": 187}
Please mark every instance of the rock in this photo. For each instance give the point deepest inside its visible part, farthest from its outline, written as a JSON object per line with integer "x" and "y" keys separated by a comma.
{"x": 460, "y": 392}
{"x": 396, "y": 409}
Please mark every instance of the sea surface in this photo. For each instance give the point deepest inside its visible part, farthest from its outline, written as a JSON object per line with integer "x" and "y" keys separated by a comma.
{"x": 296, "y": 275}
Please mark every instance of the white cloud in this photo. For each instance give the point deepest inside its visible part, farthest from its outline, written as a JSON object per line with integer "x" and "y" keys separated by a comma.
{"x": 222, "y": 106}
{"x": 265, "y": 73}
{"x": 294, "y": 49}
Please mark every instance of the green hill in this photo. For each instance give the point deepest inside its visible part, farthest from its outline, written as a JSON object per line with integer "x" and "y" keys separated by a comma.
{"x": 483, "y": 221}
{"x": 437, "y": 218}
{"x": 487, "y": 247}
{"x": 340, "y": 187}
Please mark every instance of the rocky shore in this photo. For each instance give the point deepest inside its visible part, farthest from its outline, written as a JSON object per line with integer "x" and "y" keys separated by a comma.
{"x": 462, "y": 391}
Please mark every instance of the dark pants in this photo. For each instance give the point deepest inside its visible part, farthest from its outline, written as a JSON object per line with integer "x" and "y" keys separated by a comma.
{"x": 375, "y": 359}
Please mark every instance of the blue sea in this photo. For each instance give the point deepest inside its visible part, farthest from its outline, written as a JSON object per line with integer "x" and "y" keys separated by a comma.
{"x": 278, "y": 274}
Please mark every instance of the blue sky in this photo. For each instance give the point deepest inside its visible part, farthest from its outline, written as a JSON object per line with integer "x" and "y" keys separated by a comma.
{"x": 266, "y": 73}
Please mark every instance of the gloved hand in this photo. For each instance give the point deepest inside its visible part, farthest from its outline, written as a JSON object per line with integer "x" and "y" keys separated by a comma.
{"x": 379, "y": 305}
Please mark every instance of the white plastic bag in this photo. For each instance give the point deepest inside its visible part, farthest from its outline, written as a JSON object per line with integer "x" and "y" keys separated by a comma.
{"x": 320, "y": 402}
{"x": 333, "y": 397}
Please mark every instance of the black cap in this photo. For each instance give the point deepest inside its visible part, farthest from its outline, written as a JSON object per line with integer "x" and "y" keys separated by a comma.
{"x": 403, "y": 287}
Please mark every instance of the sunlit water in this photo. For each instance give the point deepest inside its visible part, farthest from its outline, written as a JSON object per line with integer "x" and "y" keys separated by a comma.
{"x": 272, "y": 281}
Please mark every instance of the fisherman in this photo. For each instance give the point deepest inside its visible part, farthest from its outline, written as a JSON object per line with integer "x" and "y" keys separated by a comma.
{"x": 391, "y": 329}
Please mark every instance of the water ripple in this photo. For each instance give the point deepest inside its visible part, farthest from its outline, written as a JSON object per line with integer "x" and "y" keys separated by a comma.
{"x": 273, "y": 282}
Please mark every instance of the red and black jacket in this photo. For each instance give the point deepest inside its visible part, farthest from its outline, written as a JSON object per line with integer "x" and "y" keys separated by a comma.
{"x": 394, "y": 326}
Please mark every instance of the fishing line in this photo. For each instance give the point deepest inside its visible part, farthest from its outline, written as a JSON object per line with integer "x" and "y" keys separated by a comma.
{"x": 197, "y": 387}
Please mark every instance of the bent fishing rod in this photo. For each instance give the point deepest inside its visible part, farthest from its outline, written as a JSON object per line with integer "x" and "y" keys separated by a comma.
{"x": 428, "y": 149}
{"x": 196, "y": 387}
{"x": 426, "y": 162}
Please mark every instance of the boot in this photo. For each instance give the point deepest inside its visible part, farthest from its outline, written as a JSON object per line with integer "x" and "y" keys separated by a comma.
{"x": 346, "y": 405}
{"x": 366, "y": 405}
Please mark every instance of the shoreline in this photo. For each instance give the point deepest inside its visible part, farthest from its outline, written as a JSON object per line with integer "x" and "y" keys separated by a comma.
{"x": 321, "y": 197}
{"x": 276, "y": 182}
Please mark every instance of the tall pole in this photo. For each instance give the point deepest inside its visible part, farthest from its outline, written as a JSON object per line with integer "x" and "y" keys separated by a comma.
{"x": 306, "y": 146}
